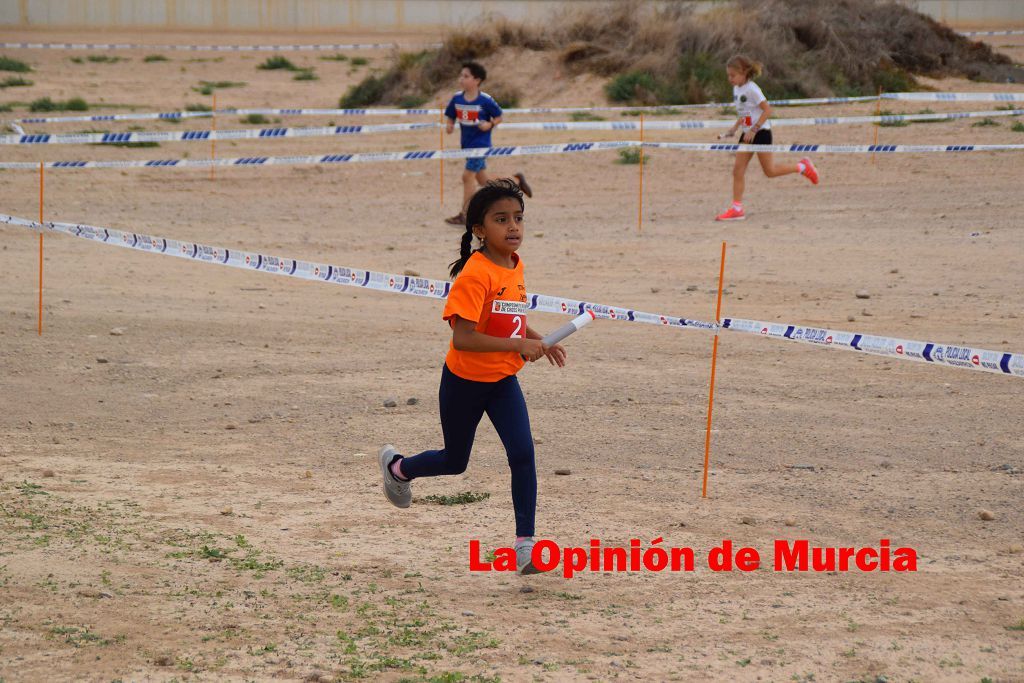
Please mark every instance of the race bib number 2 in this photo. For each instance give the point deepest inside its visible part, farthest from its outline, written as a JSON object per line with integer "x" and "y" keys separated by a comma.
{"x": 508, "y": 319}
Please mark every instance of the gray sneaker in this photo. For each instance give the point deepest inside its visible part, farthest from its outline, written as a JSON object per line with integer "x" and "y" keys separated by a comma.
{"x": 398, "y": 492}
{"x": 524, "y": 557}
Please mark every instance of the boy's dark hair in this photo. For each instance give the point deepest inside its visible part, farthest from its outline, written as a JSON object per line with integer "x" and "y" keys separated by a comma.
{"x": 484, "y": 198}
{"x": 476, "y": 69}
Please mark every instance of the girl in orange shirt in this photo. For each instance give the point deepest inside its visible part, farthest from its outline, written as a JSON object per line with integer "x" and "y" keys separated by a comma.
{"x": 486, "y": 310}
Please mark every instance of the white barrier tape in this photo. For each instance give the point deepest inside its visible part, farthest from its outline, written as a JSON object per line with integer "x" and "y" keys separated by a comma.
{"x": 490, "y": 152}
{"x": 364, "y": 157}
{"x": 954, "y": 96}
{"x": 326, "y": 131}
{"x": 967, "y": 357}
{"x": 821, "y": 149}
{"x": 340, "y": 275}
{"x": 904, "y": 349}
{"x": 211, "y": 48}
{"x": 992, "y": 33}
{"x": 419, "y": 112}
{"x": 200, "y": 135}
{"x": 923, "y": 97}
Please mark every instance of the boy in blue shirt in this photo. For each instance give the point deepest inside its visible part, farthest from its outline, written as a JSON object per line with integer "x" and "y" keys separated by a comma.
{"x": 477, "y": 114}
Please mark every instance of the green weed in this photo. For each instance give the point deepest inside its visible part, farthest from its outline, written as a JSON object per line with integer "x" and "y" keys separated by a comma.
{"x": 46, "y": 104}
{"x": 277, "y": 62}
{"x": 368, "y": 91}
{"x": 15, "y": 82}
{"x": 207, "y": 87}
{"x": 632, "y": 155}
{"x": 9, "y": 64}
{"x": 464, "y": 498}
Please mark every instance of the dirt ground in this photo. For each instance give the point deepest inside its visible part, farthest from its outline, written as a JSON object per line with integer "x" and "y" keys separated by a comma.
{"x": 188, "y": 482}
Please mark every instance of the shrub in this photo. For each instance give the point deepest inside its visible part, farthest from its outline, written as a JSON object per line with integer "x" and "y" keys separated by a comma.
{"x": 277, "y": 62}
{"x": 666, "y": 53}
{"x": 1017, "y": 127}
{"x": 368, "y": 91}
{"x": 154, "y": 58}
{"x": 985, "y": 122}
{"x": 413, "y": 101}
{"x": 104, "y": 59}
{"x": 506, "y": 96}
{"x": 334, "y": 58}
{"x": 306, "y": 75}
{"x": 359, "y": 61}
{"x": 207, "y": 87}
{"x": 46, "y": 104}
{"x": 254, "y": 119}
{"x": 633, "y": 86}
{"x": 18, "y": 66}
{"x": 14, "y": 82}
{"x": 631, "y": 155}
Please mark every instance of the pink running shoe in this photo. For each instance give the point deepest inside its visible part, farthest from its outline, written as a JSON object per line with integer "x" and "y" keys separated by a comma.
{"x": 731, "y": 215}
{"x": 810, "y": 171}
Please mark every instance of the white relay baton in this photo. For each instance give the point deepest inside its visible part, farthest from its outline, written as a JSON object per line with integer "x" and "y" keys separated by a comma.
{"x": 565, "y": 330}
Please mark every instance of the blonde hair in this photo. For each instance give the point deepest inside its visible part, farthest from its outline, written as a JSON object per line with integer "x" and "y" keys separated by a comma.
{"x": 746, "y": 66}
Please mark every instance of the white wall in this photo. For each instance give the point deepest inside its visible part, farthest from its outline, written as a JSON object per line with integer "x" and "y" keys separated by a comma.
{"x": 372, "y": 15}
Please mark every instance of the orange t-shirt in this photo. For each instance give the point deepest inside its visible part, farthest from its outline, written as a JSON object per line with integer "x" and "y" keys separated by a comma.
{"x": 495, "y": 299}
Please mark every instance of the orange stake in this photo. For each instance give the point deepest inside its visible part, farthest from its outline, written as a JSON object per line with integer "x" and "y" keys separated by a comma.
{"x": 878, "y": 112}
{"x": 711, "y": 391}
{"x": 40, "y": 326}
{"x": 440, "y": 160}
{"x": 213, "y": 142}
{"x": 640, "y": 203}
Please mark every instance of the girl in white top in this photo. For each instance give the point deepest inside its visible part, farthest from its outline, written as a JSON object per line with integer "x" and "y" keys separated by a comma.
{"x": 754, "y": 111}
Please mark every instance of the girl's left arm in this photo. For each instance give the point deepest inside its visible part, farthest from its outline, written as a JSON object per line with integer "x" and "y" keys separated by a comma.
{"x": 556, "y": 352}
{"x": 766, "y": 112}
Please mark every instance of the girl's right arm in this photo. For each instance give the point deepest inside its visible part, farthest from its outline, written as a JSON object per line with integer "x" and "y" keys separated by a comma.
{"x": 466, "y": 338}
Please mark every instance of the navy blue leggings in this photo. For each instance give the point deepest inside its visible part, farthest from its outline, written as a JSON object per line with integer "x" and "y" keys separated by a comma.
{"x": 463, "y": 403}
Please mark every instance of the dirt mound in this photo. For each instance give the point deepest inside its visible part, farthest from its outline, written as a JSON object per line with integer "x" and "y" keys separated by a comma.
{"x": 670, "y": 54}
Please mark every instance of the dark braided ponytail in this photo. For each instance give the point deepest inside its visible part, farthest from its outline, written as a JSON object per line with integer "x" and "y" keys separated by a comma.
{"x": 476, "y": 211}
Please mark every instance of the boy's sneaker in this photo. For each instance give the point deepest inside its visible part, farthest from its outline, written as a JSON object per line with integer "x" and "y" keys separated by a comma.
{"x": 523, "y": 185}
{"x": 524, "y": 557}
{"x": 457, "y": 219}
{"x": 809, "y": 171}
{"x": 731, "y": 215}
{"x": 398, "y": 492}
